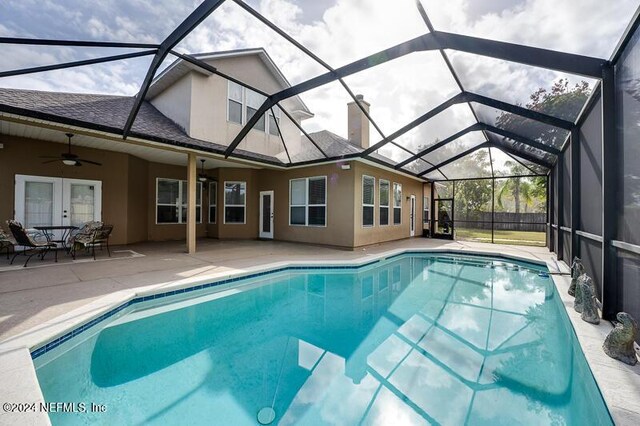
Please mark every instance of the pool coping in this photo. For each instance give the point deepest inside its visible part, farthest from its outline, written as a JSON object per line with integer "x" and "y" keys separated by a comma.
{"x": 16, "y": 358}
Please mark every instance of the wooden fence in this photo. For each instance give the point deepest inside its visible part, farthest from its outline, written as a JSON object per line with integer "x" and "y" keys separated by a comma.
{"x": 503, "y": 221}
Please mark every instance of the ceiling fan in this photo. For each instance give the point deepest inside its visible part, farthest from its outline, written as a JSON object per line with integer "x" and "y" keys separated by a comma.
{"x": 69, "y": 159}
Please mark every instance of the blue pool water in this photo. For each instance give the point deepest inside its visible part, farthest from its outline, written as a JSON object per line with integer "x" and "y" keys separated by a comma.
{"x": 414, "y": 340}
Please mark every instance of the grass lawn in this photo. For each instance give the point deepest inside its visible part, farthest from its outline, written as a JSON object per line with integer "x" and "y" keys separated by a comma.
{"x": 502, "y": 237}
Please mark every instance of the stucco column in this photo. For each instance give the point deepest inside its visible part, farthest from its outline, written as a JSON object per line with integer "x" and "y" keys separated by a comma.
{"x": 191, "y": 203}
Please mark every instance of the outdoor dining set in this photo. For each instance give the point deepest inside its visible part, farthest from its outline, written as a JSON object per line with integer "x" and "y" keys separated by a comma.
{"x": 41, "y": 240}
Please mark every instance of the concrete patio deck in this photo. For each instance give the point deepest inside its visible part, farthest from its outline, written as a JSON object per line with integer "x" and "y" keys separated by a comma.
{"x": 36, "y": 298}
{"x": 44, "y": 290}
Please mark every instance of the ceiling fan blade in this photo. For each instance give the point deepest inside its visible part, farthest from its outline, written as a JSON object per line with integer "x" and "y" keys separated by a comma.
{"x": 78, "y": 164}
{"x": 89, "y": 161}
{"x": 51, "y": 161}
{"x": 49, "y": 156}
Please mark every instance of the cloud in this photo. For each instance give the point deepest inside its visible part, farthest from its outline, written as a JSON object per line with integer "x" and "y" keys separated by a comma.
{"x": 339, "y": 32}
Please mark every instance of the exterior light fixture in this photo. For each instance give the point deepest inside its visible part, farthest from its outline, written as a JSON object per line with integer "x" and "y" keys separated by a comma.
{"x": 345, "y": 166}
{"x": 202, "y": 177}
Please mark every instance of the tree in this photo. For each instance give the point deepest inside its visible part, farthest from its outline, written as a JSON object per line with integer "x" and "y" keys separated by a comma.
{"x": 560, "y": 101}
{"x": 472, "y": 196}
{"x": 516, "y": 186}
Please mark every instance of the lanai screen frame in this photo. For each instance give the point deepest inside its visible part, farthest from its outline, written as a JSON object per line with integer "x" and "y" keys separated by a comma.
{"x": 430, "y": 41}
{"x": 601, "y": 70}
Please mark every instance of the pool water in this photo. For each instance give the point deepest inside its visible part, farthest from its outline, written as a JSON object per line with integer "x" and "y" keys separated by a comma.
{"x": 417, "y": 339}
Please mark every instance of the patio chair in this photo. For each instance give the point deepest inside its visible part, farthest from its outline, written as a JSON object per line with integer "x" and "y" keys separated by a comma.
{"x": 6, "y": 243}
{"x": 29, "y": 245}
{"x": 88, "y": 228}
{"x": 92, "y": 237}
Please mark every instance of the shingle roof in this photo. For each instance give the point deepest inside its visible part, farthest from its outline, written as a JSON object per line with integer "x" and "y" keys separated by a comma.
{"x": 335, "y": 146}
{"x": 109, "y": 113}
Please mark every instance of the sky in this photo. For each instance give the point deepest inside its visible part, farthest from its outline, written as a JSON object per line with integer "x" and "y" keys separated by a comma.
{"x": 339, "y": 32}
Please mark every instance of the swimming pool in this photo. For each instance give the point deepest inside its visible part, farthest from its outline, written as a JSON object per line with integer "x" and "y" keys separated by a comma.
{"x": 419, "y": 338}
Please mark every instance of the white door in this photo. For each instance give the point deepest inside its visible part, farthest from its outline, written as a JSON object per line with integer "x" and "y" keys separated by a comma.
{"x": 81, "y": 201}
{"x": 38, "y": 201}
{"x": 412, "y": 217}
{"x": 50, "y": 201}
{"x": 266, "y": 214}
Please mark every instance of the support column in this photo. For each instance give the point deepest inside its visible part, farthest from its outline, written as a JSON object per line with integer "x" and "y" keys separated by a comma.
{"x": 493, "y": 209}
{"x": 191, "y": 203}
{"x": 560, "y": 207}
{"x": 609, "y": 220}
{"x": 575, "y": 192}
{"x": 550, "y": 207}
{"x": 432, "y": 213}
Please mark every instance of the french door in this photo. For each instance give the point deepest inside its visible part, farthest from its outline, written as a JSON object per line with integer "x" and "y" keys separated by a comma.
{"x": 266, "y": 214}
{"x": 50, "y": 201}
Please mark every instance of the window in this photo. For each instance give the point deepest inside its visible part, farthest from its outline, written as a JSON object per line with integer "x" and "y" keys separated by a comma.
{"x": 397, "y": 203}
{"x": 243, "y": 103}
{"x": 368, "y": 199}
{"x": 384, "y": 202}
{"x": 213, "y": 202}
{"x": 425, "y": 210}
{"x": 308, "y": 201}
{"x": 171, "y": 201}
{"x": 274, "y": 121}
{"x": 235, "y": 202}
{"x": 235, "y": 103}
{"x": 254, "y": 101}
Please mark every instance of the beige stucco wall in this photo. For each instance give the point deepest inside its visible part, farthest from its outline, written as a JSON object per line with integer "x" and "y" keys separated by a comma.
{"x": 175, "y": 102}
{"x": 376, "y": 234}
{"x": 137, "y": 202}
{"x": 21, "y": 156}
{"x": 339, "y": 229}
{"x": 129, "y": 191}
{"x": 198, "y": 104}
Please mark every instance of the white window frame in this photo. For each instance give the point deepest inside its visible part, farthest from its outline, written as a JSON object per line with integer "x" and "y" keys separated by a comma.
{"x": 213, "y": 202}
{"x": 389, "y": 201}
{"x": 306, "y": 204}
{"x": 244, "y": 113}
{"x": 373, "y": 205}
{"x": 180, "y": 202}
{"x": 224, "y": 212}
{"x": 241, "y": 101}
{"x": 397, "y": 185}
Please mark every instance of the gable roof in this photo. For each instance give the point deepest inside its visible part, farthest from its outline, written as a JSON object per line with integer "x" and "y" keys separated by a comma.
{"x": 109, "y": 113}
{"x": 178, "y": 68}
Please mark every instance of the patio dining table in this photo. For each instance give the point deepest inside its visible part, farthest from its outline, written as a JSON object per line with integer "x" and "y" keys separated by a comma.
{"x": 48, "y": 232}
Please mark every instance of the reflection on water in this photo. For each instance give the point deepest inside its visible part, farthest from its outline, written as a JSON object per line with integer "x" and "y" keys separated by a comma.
{"x": 416, "y": 340}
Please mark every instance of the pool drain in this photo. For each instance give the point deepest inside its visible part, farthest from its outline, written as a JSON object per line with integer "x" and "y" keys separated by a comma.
{"x": 266, "y": 415}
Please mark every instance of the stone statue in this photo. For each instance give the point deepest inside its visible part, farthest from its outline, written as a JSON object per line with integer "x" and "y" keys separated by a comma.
{"x": 619, "y": 341}
{"x": 577, "y": 269}
{"x": 577, "y": 303}
{"x": 589, "y": 305}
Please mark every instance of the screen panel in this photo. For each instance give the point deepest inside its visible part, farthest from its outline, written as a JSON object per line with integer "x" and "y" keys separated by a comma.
{"x": 591, "y": 171}
{"x": 628, "y": 161}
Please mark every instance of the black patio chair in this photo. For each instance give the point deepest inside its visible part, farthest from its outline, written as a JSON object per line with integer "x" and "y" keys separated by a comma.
{"x": 29, "y": 245}
{"x": 6, "y": 243}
